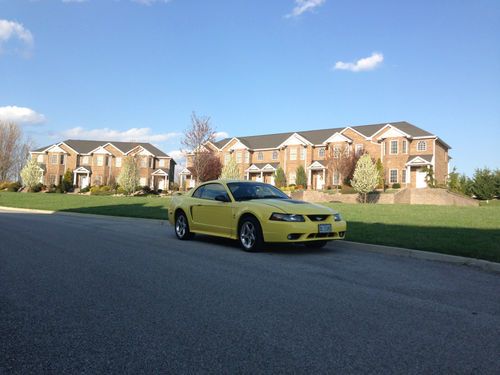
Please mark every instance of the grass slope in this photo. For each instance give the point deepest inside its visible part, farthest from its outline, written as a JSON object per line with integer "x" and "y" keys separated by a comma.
{"x": 466, "y": 231}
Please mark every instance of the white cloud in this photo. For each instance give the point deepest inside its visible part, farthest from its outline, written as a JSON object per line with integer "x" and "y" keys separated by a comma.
{"x": 150, "y": 2}
{"x": 221, "y": 135}
{"x": 302, "y": 6}
{"x": 20, "y": 115}
{"x": 11, "y": 29}
{"x": 130, "y": 135}
{"x": 177, "y": 155}
{"x": 367, "y": 63}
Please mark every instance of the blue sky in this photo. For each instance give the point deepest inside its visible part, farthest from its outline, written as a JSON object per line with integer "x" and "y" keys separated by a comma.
{"x": 137, "y": 69}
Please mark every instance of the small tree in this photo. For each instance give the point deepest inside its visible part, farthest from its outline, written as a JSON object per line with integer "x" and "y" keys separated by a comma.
{"x": 365, "y": 177}
{"x": 340, "y": 159}
{"x": 211, "y": 170}
{"x": 483, "y": 184}
{"x": 67, "y": 182}
{"x": 429, "y": 176}
{"x": 301, "y": 178}
{"x": 31, "y": 174}
{"x": 380, "y": 170}
{"x": 231, "y": 171}
{"x": 497, "y": 183}
{"x": 280, "y": 178}
{"x": 129, "y": 175}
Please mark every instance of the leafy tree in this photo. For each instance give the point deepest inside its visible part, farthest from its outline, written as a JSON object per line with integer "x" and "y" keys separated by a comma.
{"x": 211, "y": 170}
{"x": 459, "y": 183}
{"x": 280, "y": 178}
{"x": 67, "y": 182}
{"x": 497, "y": 183}
{"x": 365, "y": 177}
{"x": 341, "y": 160}
{"x": 429, "y": 176}
{"x": 380, "y": 170}
{"x": 483, "y": 184}
{"x": 31, "y": 174}
{"x": 129, "y": 175}
{"x": 301, "y": 178}
{"x": 231, "y": 171}
{"x": 14, "y": 151}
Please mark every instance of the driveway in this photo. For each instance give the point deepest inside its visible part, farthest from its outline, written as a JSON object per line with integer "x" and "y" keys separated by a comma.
{"x": 103, "y": 295}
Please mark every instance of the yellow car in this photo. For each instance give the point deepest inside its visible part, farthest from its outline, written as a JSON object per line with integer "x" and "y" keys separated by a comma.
{"x": 253, "y": 213}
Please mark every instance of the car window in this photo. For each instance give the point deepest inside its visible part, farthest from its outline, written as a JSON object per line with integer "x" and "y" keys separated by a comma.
{"x": 198, "y": 192}
{"x": 213, "y": 190}
{"x": 254, "y": 190}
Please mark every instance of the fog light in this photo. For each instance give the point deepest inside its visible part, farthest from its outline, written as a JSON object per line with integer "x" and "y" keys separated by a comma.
{"x": 341, "y": 234}
{"x": 294, "y": 236}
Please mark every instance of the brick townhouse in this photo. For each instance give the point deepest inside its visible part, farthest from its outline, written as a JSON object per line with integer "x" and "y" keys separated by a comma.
{"x": 100, "y": 162}
{"x": 404, "y": 149}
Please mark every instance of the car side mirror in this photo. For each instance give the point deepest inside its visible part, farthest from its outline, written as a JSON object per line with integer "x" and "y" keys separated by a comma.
{"x": 222, "y": 198}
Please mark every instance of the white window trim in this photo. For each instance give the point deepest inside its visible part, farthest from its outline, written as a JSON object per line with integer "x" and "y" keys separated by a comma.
{"x": 359, "y": 149}
{"x": 293, "y": 153}
{"x": 100, "y": 160}
{"x": 260, "y": 156}
{"x": 404, "y": 150}
{"x": 423, "y": 143}
{"x": 397, "y": 147}
{"x": 390, "y": 175}
{"x": 403, "y": 173}
{"x": 277, "y": 155}
{"x": 303, "y": 153}
{"x": 336, "y": 151}
{"x": 118, "y": 162}
{"x": 321, "y": 150}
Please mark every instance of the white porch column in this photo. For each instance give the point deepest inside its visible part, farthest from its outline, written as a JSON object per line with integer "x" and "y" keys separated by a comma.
{"x": 309, "y": 177}
{"x": 261, "y": 176}
{"x": 88, "y": 179}
{"x": 248, "y": 175}
{"x": 165, "y": 186}
{"x": 408, "y": 175}
{"x": 74, "y": 178}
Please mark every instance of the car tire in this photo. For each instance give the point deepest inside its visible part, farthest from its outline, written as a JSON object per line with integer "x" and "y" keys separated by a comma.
{"x": 181, "y": 227}
{"x": 316, "y": 244}
{"x": 250, "y": 235}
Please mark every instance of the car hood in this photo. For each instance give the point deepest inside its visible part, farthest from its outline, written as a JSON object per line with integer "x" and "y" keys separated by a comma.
{"x": 292, "y": 206}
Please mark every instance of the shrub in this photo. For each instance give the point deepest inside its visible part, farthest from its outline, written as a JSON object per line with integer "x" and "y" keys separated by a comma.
{"x": 348, "y": 190}
{"x": 13, "y": 186}
{"x": 484, "y": 184}
{"x": 175, "y": 186}
{"x": 101, "y": 190}
{"x": 85, "y": 189}
{"x": 38, "y": 188}
{"x": 301, "y": 178}
{"x": 146, "y": 190}
{"x": 67, "y": 182}
{"x": 280, "y": 178}
{"x": 396, "y": 186}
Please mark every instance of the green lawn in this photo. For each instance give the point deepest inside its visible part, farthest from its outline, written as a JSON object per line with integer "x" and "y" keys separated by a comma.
{"x": 466, "y": 231}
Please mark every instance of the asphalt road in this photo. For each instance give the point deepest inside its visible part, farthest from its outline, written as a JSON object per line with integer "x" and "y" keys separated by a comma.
{"x": 99, "y": 295}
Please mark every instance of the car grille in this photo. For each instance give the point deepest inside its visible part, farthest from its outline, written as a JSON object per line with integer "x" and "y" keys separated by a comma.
{"x": 318, "y": 217}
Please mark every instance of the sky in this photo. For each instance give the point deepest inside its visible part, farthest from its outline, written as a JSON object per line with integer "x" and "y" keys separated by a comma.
{"x": 137, "y": 69}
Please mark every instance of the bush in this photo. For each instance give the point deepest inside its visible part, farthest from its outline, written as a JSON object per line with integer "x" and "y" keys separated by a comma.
{"x": 396, "y": 186}
{"x": 38, "y": 188}
{"x": 175, "y": 186}
{"x": 85, "y": 189}
{"x": 13, "y": 186}
{"x": 146, "y": 190}
{"x": 484, "y": 184}
{"x": 101, "y": 190}
{"x": 348, "y": 190}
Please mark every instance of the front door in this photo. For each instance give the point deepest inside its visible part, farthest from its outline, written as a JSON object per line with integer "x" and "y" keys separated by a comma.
{"x": 84, "y": 182}
{"x": 161, "y": 184}
{"x": 420, "y": 179}
{"x": 319, "y": 181}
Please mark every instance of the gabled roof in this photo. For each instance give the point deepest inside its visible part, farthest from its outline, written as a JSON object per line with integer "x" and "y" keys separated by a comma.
{"x": 87, "y": 146}
{"x": 161, "y": 171}
{"x": 419, "y": 159}
{"x": 317, "y": 137}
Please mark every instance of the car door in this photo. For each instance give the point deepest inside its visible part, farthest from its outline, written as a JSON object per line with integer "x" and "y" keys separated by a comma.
{"x": 210, "y": 215}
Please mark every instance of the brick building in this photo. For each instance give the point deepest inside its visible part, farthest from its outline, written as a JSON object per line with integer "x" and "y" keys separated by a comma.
{"x": 405, "y": 150}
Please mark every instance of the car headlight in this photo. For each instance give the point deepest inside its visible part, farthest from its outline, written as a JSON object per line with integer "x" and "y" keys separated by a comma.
{"x": 337, "y": 217}
{"x": 286, "y": 217}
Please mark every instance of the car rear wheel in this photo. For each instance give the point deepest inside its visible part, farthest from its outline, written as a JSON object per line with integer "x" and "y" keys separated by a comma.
{"x": 316, "y": 244}
{"x": 182, "y": 227}
{"x": 250, "y": 235}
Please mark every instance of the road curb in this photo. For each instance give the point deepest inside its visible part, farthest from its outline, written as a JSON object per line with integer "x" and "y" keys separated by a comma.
{"x": 80, "y": 214}
{"x": 427, "y": 255}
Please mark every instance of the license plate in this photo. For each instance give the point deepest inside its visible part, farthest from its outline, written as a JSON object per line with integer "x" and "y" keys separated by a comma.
{"x": 324, "y": 228}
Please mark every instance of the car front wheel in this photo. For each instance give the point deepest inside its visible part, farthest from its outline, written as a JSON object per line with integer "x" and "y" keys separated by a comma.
{"x": 182, "y": 227}
{"x": 250, "y": 235}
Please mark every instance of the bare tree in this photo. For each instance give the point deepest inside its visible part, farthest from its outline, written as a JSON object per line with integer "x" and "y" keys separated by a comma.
{"x": 195, "y": 138}
{"x": 342, "y": 160}
{"x": 14, "y": 151}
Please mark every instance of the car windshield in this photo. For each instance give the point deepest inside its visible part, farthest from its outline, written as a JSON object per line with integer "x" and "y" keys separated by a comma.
{"x": 243, "y": 191}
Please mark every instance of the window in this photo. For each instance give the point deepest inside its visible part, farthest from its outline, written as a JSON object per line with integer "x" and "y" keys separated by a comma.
{"x": 53, "y": 160}
{"x": 403, "y": 176}
{"x": 214, "y": 190}
{"x": 321, "y": 152}
{"x": 151, "y": 163}
{"x": 142, "y": 181}
{"x": 293, "y": 153}
{"x": 303, "y": 153}
{"x": 144, "y": 163}
{"x": 383, "y": 148}
{"x": 393, "y": 176}
{"x": 85, "y": 160}
{"x": 227, "y": 157}
{"x": 39, "y": 158}
{"x": 238, "y": 157}
{"x": 247, "y": 157}
{"x": 394, "y": 147}
{"x": 52, "y": 179}
{"x": 162, "y": 162}
{"x": 118, "y": 162}
{"x": 275, "y": 155}
{"x": 61, "y": 159}
{"x": 100, "y": 161}
{"x": 405, "y": 147}
{"x": 197, "y": 193}
{"x": 292, "y": 178}
{"x": 98, "y": 180}
{"x": 422, "y": 146}
{"x": 336, "y": 178}
{"x": 336, "y": 152}
{"x": 347, "y": 150}
{"x": 108, "y": 161}
{"x": 359, "y": 150}
{"x": 260, "y": 156}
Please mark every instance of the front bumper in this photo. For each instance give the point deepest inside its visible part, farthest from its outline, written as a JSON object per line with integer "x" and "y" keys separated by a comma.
{"x": 279, "y": 231}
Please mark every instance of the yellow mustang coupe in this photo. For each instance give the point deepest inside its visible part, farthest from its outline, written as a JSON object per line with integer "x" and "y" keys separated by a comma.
{"x": 253, "y": 213}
